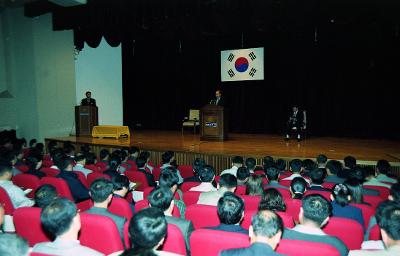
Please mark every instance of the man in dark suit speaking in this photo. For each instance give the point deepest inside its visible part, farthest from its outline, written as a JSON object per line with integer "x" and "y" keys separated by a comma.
{"x": 294, "y": 123}
{"x": 219, "y": 101}
{"x": 88, "y": 101}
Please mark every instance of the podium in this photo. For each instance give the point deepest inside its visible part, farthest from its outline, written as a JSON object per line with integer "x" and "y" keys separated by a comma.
{"x": 214, "y": 123}
{"x": 85, "y": 118}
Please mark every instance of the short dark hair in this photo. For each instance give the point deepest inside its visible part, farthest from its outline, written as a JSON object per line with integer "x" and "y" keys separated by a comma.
{"x": 161, "y": 198}
{"x": 295, "y": 165}
{"x": 167, "y": 156}
{"x": 141, "y": 162}
{"x": 44, "y": 195}
{"x": 358, "y": 173}
{"x": 119, "y": 182}
{"x": 65, "y": 162}
{"x": 227, "y": 181}
{"x": 32, "y": 142}
{"x": 280, "y": 164}
{"x": 355, "y": 188}
{"x": 114, "y": 162}
{"x": 230, "y": 208}
{"x": 57, "y": 216}
{"x": 242, "y": 173}
{"x": 383, "y": 166}
{"x": 80, "y": 157}
{"x": 250, "y": 163}
{"x": 309, "y": 164}
{"x": 340, "y": 193}
{"x": 237, "y": 160}
{"x": 334, "y": 166}
{"x": 133, "y": 150}
{"x": 321, "y": 159}
{"x": 298, "y": 187}
{"x": 254, "y": 185}
{"x": 318, "y": 175}
{"x": 51, "y": 145}
{"x": 5, "y": 168}
{"x": 207, "y": 173}
{"x": 390, "y": 220}
{"x": 272, "y": 200}
{"x": 316, "y": 208}
{"x": 145, "y": 155}
{"x": 268, "y": 161}
{"x": 272, "y": 173}
{"x": 350, "y": 162}
{"x": 146, "y": 229}
{"x": 100, "y": 189}
{"x": 104, "y": 153}
{"x": 90, "y": 158}
{"x": 168, "y": 178}
{"x": 197, "y": 165}
{"x": 395, "y": 192}
{"x": 266, "y": 223}
{"x": 13, "y": 244}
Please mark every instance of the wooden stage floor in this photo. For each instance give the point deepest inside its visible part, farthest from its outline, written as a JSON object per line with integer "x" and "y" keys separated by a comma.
{"x": 255, "y": 145}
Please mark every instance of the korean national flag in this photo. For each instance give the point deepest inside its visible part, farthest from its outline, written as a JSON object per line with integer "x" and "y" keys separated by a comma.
{"x": 242, "y": 64}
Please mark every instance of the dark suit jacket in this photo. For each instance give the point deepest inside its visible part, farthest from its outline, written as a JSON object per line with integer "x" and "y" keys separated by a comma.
{"x": 230, "y": 228}
{"x": 90, "y": 102}
{"x": 296, "y": 120}
{"x": 193, "y": 178}
{"x": 149, "y": 177}
{"x": 254, "y": 249}
{"x": 78, "y": 190}
{"x": 220, "y": 102}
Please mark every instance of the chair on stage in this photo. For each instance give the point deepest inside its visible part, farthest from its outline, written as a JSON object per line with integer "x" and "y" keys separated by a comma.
{"x": 192, "y": 121}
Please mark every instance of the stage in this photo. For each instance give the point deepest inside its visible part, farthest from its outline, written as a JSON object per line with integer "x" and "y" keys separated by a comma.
{"x": 188, "y": 146}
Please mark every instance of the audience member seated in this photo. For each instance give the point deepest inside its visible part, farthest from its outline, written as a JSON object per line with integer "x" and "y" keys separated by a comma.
{"x": 168, "y": 160}
{"x": 254, "y": 186}
{"x": 78, "y": 190}
{"x": 61, "y": 220}
{"x": 272, "y": 200}
{"x": 13, "y": 245}
{"x": 162, "y": 198}
{"x": 350, "y": 163}
{"x": 250, "y": 164}
{"x": 69, "y": 149}
{"x": 341, "y": 198}
{"x": 169, "y": 179}
{"x": 317, "y": 179}
{"x": 121, "y": 188}
{"x": 321, "y": 161}
{"x": 91, "y": 158}
{"x": 146, "y": 155}
{"x": 9, "y": 158}
{"x": 124, "y": 166}
{"x": 333, "y": 167}
{"x": 298, "y": 187}
{"x": 16, "y": 194}
{"x": 133, "y": 153}
{"x": 371, "y": 180}
{"x": 356, "y": 191}
{"x": 359, "y": 174}
{"x": 141, "y": 165}
{"x": 230, "y": 212}
{"x": 1, "y": 218}
{"x": 34, "y": 164}
{"x": 268, "y": 161}
{"x": 265, "y": 233}
{"x": 80, "y": 160}
{"x": 58, "y": 157}
{"x": 104, "y": 156}
{"x": 113, "y": 166}
{"x": 273, "y": 177}
{"x": 280, "y": 164}
{"x": 237, "y": 161}
{"x": 314, "y": 214}
{"x": 389, "y": 224}
{"x": 227, "y": 182}
{"x": 207, "y": 176}
{"x": 101, "y": 192}
{"x": 296, "y": 167}
{"x": 383, "y": 169}
{"x": 308, "y": 166}
{"x": 242, "y": 176}
{"x": 44, "y": 195}
{"x": 197, "y": 166}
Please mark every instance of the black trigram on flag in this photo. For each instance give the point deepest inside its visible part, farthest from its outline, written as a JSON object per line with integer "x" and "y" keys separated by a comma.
{"x": 230, "y": 57}
{"x": 231, "y": 73}
{"x": 252, "y": 56}
{"x": 252, "y": 72}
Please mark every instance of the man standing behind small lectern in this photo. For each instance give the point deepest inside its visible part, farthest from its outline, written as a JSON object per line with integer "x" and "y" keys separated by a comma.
{"x": 88, "y": 101}
{"x": 213, "y": 120}
{"x": 86, "y": 116}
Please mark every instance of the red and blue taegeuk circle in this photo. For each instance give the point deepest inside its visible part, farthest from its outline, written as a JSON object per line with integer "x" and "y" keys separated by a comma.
{"x": 241, "y": 64}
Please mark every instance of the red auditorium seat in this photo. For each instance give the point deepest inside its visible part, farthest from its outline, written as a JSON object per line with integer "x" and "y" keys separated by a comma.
{"x": 50, "y": 172}
{"x": 259, "y": 172}
{"x": 101, "y": 165}
{"x": 92, "y": 167}
{"x": 82, "y": 178}
{"x": 326, "y": 194}
{"x": 202, "y": 215}
{"x": 305, "y": 248}
{"x": 127, "y": 241}
{"x": 140, "y": 177}
{"x": 240, "y": 190}
{"x": 286, "y": 218}
{"x": 212, "y": 242}
{"x": 47, "y": 163}
{"x": 251, "y": 202}
{"x": 156, "y": 173}
{"x": 328, "y": 185}
{"x": 374, "y": 201}
{"x": 285, "y": 183}
{"x": 383, "y": 191}
{"x": 139, "y": 205}
{"x": 121, "y": 207}
{"x": 375, "y": 233}
{"x": 108, "y": 242}
{"x": 25, "y": 181}
{"x": 186, "y": 171}
{"x": 28, "y": 225}
{"x": 94, "y": 176}
{"x": 191, "y": 197}
{"x": 22, "y": 168}
{"x": 284, "y": 192}
{"x": 349, "y": 231}
{"x": 367, "y": 212}
{"x": 84, "y": 205}
{"x": 186, "y": 186}
{"x": 293, "y": 208}
{"x": 60, "y": 185}
{"x": 174, "y": 242}
{"x": 6, "y": 202}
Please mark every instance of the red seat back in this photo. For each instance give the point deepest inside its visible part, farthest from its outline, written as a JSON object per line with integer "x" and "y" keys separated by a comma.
{"x": 284, "y": 192}
{"x": 28, "y": 225}
{"x": 104, "y": 238}
{"x": 293, "y": 208}
{"x": 82, "y": 178}
{"x": 121, "y": 207}
{"x": 383, "y": 191}
{"x": 174, "y": 242}
{"x": 156, "y": 173}
{"x": 25, "y": 181}
{"x": 328, "y": 185}
{"x": 240, "y": 190}
{"x": 374, "y": 201}
{"x": 147, "y": 191}
{"x": 287, "y": 219}
{"x": 251, "y": 202}
{"x": 84, "y": 205}
{"x": 191, "y": 197}
{"x": 367, "y": 212}
{"x": 60, "y": 185}
{"x": 94, "y": 176}
{"x": 186, "y": 171}
{"x": 92, "y": 167}
{"x": 259, "y": 172}
{"x": 202, "y": 215}
{"x": 6, "y": 202}
{"x": 50, "y": 172}
{"x": 325, "y": 194}
{"x": 285, "y": 183}
{"x": 139, "y": 205}
{"x": 349, "y": 231}
{"x": 375, "y": 233}
{"x": 186, "y": 186}
{"x": 140, "y": 177}
{"x": 212, "y": 242}
{"x": 305, "y": 248}
{"x": 22, "y": 168}
{"x": 47, "y": 163}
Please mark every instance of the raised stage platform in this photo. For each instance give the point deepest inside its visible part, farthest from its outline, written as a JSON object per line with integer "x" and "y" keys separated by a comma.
{"x": 188, "y": 146}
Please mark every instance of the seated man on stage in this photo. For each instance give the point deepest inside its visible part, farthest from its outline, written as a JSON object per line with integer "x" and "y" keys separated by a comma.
{"x": 88, "y": 101}
{"x": 294, "y": 123}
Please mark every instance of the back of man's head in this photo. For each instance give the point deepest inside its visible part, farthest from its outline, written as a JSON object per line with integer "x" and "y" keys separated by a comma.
{"x": 100, "y": 190}
{"x": 120, "y": 182}
{"x": 321, "y": 160}
{"x": 167, "y": 157}
{"x": 350, "y": 162}
{"x": 168, "y": 178}
{"x": 266, "y": 224}
{"x": 197, "y": 165}
{"x": 318, "y": 175}
{"x": 383, "y": 167}
{"x": 65, "y": 163}
{"x": 298, "y": 186}
{"x": 250, "y": 163}
{"x": 45, "y": 194}
{"x": 395, "y": 192}
{"x": 295, "y": 165}
{"x": 309, "y": 165}
{"x": 161, "y": 198}
{"x": 80, "y": 158}
{"x": 316, "y": 209}
{"x": 57, "y": 217}
{"x": 140, "y": 162}
{"x": 133, "y": 150}
{"x": 268, "y": 161}
{"x": 272, "y": 174}
{"x": 207, "y": 173}
{"x": 227, "y": 181}
{"x": 389, "y": 222}
{"x": 147, "y": 228}
{"x": 104, "y": 153}
{"x": 334, "y": 166}
{"x": 242, "y": 173}
{"x": 230, "y": 208}
{"x": 237, "y": 160}
{"x": 13, "y": 245}
{"x": 5, "y": 171}
{"x": 280, "y": 164}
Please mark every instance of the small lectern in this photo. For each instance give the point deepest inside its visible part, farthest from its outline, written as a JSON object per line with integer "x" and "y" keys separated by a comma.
{"x": 85, "y": 118}
{"x": 214, "y": 123}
